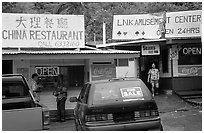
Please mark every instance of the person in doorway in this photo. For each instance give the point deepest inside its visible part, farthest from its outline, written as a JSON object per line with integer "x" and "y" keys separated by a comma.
{"x": 35, "y": 87}
{"x": 153, "y": 78}
{"x": 61, "y": 97}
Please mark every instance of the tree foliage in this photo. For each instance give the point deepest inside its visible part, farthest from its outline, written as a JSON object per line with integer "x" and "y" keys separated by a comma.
{"x": 97, "y": 12}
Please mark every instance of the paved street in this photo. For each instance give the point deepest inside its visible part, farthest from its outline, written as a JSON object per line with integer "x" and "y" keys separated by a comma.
{"x": 176, "y": 115}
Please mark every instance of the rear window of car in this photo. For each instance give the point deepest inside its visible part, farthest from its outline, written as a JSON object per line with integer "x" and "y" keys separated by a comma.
{"x": 122, "y": 91}
{"x": 14, "y": 90}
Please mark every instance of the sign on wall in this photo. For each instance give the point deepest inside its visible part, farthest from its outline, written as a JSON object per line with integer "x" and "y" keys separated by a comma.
{"x": 100, "y": 72}
{"x": 150, "y": 26}
{"x": 47, "y": 71}
{"x": 189, "y": 70}
{"x": 43, "y": 30}
{"x": 150, "y": 49}
{"x": 137, "y": 26}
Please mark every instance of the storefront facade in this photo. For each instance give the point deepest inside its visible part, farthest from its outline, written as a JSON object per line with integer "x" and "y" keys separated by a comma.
{"x": 77, "y": 67}
{"x": 178, "y": 56}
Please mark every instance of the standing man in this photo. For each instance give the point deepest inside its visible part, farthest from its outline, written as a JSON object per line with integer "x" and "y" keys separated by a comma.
{"x": 35, "y": 87}
{"x": 153, "y": 78}
{"x": 61, "y": 97}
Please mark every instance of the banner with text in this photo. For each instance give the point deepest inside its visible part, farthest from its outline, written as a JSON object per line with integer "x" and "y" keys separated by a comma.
{"x": 150, "y": 26}
{"x": 43, "y": 30}
{"x": 184, "y": 24}
{"x": 137, "y": 26}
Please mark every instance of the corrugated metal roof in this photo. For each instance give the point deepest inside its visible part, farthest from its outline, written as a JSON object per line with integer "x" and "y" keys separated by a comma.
{"x": 15, "y": 52}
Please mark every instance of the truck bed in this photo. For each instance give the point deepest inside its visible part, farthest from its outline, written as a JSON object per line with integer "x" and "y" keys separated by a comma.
{"x": 22, "y": 119}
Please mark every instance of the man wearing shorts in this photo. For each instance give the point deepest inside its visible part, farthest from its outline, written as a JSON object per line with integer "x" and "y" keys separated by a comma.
{"x": 153, "y": 78}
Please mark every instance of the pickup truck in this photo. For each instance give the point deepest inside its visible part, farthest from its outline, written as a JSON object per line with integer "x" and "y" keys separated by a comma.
{"x": 20, "y": 110}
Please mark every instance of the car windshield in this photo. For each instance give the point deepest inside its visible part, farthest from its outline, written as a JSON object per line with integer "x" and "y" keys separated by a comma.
{"x": 14, "y": 89}
{"x": 119, "y": 92}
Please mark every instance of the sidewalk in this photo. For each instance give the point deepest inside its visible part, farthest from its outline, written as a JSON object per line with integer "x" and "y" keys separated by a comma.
{"x": 177, "y": 114}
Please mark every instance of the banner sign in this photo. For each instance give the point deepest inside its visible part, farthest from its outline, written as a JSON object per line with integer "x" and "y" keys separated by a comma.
{"x": 100, "y": 72}
{"x": 137, "y": 26}
{"x": 150, "y": 26}
{"x": 47, "y": 71}
{"x": 189, "y": 70}
{"x": 43, "y": 30}
{"x": 184, "y": 24}
{"x": 150, "y": 49}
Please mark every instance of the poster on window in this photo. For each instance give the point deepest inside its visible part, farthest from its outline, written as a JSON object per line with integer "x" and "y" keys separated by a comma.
{"x": 189, "y": 70}
{"x": 100, "y": 72}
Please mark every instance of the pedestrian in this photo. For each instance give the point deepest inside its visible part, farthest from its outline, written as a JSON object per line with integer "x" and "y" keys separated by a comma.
{"x": 153, "y": 78}
{"x": 35, "y": 87}
{"x": 61, "y": 97}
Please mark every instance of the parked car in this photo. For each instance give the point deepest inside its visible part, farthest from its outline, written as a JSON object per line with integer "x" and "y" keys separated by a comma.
{"x": 20, "y": 111}
{"x": 116, "y": 104}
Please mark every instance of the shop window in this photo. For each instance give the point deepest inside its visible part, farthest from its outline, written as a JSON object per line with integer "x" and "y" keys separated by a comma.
{"x": 165, "y": 61}
{"x": 121, "y": 62}
{"x": 190, "y": 55}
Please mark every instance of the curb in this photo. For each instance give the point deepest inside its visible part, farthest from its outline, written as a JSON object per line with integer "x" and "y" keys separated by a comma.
{"x": 69, "y": 115}
{"x": 191, "y": 101}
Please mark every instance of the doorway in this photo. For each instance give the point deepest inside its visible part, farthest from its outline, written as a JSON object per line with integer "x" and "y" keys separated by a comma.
{"x": 145, "y": 65}
{"x": 73, "y": 76}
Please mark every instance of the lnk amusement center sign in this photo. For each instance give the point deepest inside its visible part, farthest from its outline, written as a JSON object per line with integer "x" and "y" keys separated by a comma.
{"x": 178, "y": 24}
{"x": 43, "y": 30}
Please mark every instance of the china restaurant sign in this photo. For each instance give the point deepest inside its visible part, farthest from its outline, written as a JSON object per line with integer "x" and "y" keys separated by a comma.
{"x": 43, "y": 30}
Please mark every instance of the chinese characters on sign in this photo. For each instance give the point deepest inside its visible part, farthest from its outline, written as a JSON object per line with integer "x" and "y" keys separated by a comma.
{"x": 43, "y": 30}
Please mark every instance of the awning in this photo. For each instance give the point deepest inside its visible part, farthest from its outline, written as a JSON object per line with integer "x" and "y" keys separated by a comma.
{"x": 130, "y": 42}
{"x": 36, "y": 52}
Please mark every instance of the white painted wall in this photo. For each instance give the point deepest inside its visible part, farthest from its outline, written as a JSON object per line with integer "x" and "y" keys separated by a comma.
{"x": 129, "y": 71}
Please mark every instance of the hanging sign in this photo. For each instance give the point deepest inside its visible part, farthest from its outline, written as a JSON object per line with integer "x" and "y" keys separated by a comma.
{"x": 150, "y": 49}
{"x": 43, "y": 30}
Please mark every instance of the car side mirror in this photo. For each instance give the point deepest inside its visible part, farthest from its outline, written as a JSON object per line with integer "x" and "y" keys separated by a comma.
{"x": 73, "y": 99}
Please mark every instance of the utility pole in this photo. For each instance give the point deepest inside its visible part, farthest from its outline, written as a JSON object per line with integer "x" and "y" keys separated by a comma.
{"x": 163, "y": 29}
{"x": 94, "y": 24}
{"x": 104, "y": 32}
